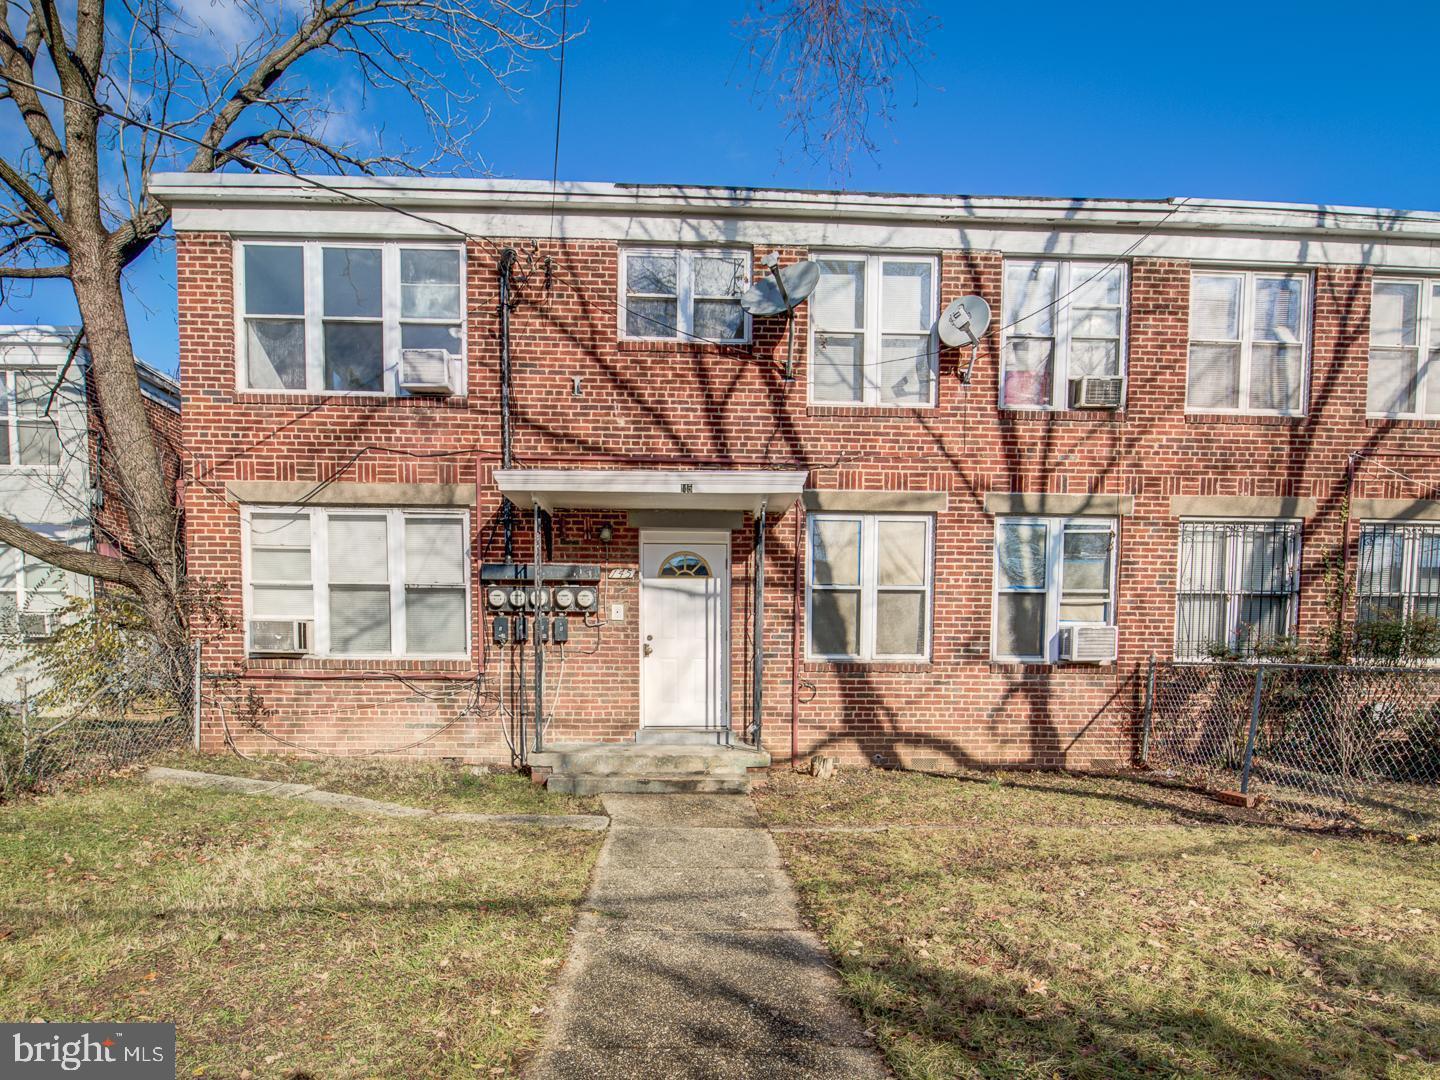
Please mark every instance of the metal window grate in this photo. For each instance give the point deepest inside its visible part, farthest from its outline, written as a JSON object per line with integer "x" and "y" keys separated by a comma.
{"x": 1397, "y": 589}
{"x": 1237, "y": 588}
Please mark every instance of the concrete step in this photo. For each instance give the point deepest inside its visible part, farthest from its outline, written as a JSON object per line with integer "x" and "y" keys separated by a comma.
{"x": 628, "y": 759}
{"x": 684, "y": 736}
{"x": 673, "y": 784}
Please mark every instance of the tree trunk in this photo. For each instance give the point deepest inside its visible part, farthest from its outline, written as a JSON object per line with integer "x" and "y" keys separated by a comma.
{"x": 132, "y": 450}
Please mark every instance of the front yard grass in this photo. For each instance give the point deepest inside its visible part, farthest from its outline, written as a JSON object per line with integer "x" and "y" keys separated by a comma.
{"x": 433, "y": 785}
{"x": 1090, "y": 927}
{"x": 284, "y": 939}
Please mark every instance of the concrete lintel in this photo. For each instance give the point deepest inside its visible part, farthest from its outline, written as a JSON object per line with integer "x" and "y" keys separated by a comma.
{"x": 295, "y": 492}
{"x": 686, "y": 519}
{"x": 1240, "y": 506}
{"x": 878, "y": 502}
{"x": 1052, "y": 503}
{"x": 1395, "y": 509}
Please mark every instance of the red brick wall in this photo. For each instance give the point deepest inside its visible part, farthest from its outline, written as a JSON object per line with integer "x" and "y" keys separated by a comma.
{"x": 677, "y": 406}
{"x": 111, "y": 521}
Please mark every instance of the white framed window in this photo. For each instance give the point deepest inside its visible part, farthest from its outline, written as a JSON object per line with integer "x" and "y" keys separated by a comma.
{"x": 670, "y": 293}
{"x": 870, "y": 581}
{"x": 375, "y": 582}
{"x": 29, "y": 586}
{"x": 31, "y": 439}
{"x": 1249, "y": 342}
{"x": 1049, "y": 573}
{"x": 1238, "y": 587}
{"x": 1403, "y": 378}
{"x": 872, "y": 330}
{"x": 1064, "y": 320}
{"x": 1397, "y": 582}
{"x": 334, "y": 317}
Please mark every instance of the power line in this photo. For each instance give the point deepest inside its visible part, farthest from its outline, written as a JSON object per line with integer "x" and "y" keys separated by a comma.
{"x": 559, "y": 102}
{"x": 464, "y": 234}
{"x": 619, "y": 305}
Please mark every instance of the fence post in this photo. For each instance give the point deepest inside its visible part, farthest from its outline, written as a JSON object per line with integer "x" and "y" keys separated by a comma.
{"x": 1149, "y": 714}
{"x": 195, "y": 692}
{"x": 1254, "y": 729}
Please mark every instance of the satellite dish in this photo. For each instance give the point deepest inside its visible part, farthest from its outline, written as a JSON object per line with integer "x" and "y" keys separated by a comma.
{"x": 783, "y": 291}
{"x": 780, "y": 294}
{"x": 964, "y": 322}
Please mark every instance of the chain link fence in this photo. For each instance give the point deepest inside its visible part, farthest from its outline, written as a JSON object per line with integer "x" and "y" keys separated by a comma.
{"x": 1349, "y": 743}
{"x": 54, "y": 733}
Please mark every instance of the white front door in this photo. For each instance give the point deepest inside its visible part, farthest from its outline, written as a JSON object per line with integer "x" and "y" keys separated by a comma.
{"x": 684, "y": 630}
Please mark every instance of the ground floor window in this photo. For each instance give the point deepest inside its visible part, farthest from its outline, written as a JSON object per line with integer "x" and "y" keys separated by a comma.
{"x": 1050, "y": 573}
{"x": 31, "y": 593}
{"x": 1397, "y": 587}
{"x": 372, "y": 582}
{"x": 869, "y": 582}
{"x": 1239, "y": 587}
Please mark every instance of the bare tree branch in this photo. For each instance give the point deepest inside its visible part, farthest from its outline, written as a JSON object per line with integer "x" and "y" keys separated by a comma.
{"x": 107, "y": 96}
{"x": 832, "y": 67}
{"x": 76, "y": 560}
{"x": 34, "y": 272}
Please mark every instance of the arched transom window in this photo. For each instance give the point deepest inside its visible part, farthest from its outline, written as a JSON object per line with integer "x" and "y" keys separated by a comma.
{"x": 685, "y": 564}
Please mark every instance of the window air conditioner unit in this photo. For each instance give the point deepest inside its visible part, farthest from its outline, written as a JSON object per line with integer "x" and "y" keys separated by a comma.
{"x": 38, "y": 625}
{"x": 1089, "y": 643}
{"x": 1098, "y": 391}
{"x": 425, "y": 371}
{"x": 280, "y": 637}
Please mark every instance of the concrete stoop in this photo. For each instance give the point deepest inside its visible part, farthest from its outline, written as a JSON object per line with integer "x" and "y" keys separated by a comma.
{"x": 647, "y": 768}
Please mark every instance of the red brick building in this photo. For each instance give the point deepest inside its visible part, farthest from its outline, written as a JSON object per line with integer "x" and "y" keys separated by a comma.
{"x": 1186, "y": 424}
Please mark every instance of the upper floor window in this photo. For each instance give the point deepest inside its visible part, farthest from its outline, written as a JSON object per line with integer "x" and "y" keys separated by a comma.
{"x": 872, "y": 319}
{"x": 374, "y": 582}
{"x": 1239, "y": 587}
{"x": 338, "y": 318}
{"x": 1248, "y": 334}
{"x": 673, "y": 293}
{"x": 1403, "y": 378}
{"x": 1050, "y": 573}
{"x": 869, "y": 586}
{"x": 1064, "y": 321}
{"x": 30, "y": 436}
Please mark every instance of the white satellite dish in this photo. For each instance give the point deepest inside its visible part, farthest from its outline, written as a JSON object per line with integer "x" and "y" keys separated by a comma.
{"x": 780, "y": 294}
{"x": 783, "y": 291}
{"x": 964, "y": 322}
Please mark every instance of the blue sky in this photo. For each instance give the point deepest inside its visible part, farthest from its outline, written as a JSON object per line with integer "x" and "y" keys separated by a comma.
{"x": 1245, "y": 100}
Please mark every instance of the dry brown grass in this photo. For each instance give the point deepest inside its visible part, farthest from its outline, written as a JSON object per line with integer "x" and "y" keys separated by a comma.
{"x": 283, "y": 938}
{"x": 1084, "y": 927}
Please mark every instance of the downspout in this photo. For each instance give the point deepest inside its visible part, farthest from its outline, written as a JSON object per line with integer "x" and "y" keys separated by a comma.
{"x": 757, "y": 672}
{"x": 795, "y": 646}
{"x": 542, "y": 617}
{"x": 1345, "y": 558}
{"x": 507, "y": 508}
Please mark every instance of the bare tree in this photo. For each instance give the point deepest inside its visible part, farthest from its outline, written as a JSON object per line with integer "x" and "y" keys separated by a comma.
{"x": 106, "y": 97}
{"x": 833, "y": 66}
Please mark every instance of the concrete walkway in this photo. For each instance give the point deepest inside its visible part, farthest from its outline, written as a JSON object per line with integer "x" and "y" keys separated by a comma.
{"x": 690, "y": 959}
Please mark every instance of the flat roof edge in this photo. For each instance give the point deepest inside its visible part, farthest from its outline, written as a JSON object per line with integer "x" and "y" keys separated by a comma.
{"x": 235, "y": 189}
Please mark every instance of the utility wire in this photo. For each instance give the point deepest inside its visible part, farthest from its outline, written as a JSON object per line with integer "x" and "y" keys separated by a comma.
{"x": 559, "y": 102}
{"x": 620, "y": 305}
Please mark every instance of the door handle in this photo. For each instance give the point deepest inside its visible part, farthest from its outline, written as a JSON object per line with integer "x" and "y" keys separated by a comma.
{"x": 648, "y": 649}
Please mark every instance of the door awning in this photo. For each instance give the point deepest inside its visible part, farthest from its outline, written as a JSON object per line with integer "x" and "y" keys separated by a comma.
{"x": 652, "y": 489}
